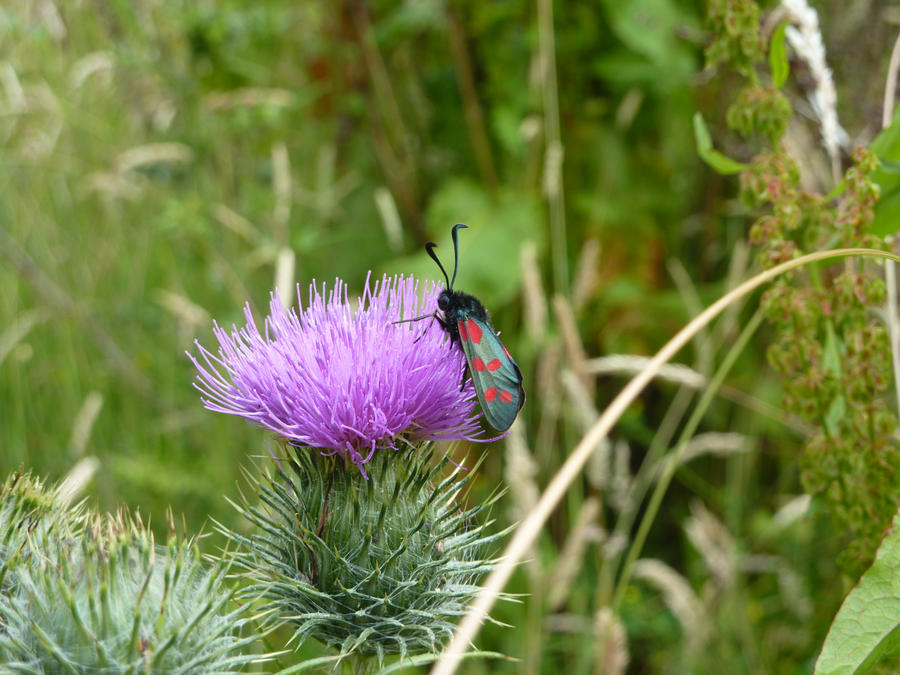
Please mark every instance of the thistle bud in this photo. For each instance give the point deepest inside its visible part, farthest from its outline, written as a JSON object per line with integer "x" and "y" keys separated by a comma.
{"x": 106, "y": 598}
{"x": 368, "y": 567}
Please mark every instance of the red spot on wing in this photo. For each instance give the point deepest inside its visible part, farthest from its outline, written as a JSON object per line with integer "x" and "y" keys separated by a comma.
{"x": 461, "y": 326}
{"x": 478, "y": 364}
{"x": 494, "y": 365}
{"x": 474, "y": 331}
{"x": 490, "y": 394}
{"x": 506, "y": 396}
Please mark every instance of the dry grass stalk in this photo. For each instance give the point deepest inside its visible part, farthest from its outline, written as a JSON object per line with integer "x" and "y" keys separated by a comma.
{"x": 153, "y": 153}
{"x": 189, "y": 314}
{"x": 37, "y": 137}
{"x": 585, "y": 531}
{"x": 621, "y": 479}
{"x": 565, "y": 317}
{"x": 100, "y": 63}
{"x": 685, "y": 605}
{"x": 281, "y": 186}
{"x": 18, "y": 330}
{"x": 580, "y": 399}
{"x": 520, "y": 472}
{"x": 705, "y": 348}
{"x": 112, "y": 186}
{"x": 535, "y": 300}
{"x": 14, "y": 102}
{"x": 792, "y": 511}
{"x": 390, "y": 218}
{"x": 713, "y": 543}
{"x": 626, "y": 364}
{"x": 84, "y": 422}
{"x": 598, "y": 470}
{"x": 586, "y": 279}
{"x": 610, "y": 643}
{"x": 235, "y": 222}
{"x": 738, "y": 263}
{"x": 77, "y": 479}
{"x": 249, "y": 97}
{"x": 285, "y": 275}
{"x": 715, "y": 443}
{"x": 547, "y": 393}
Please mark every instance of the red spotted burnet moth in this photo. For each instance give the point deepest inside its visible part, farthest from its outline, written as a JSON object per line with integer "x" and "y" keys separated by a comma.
{"x": 497, "y": 378}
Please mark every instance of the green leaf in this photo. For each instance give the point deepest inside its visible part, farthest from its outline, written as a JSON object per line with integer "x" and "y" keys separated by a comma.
{"x": 832, "y": 355}
{"x": 886, "y": 147}
{"x": 832, "y": 362}
{"x": 835, "y": 415}
{"x": 837, "y": 191}
{"x": 868, "y": 623}
{"x": 649, "y": 29}
{"x": 721, "y": 163}
{"x": 778, "y": 61}
{"x": 889, "y": 166}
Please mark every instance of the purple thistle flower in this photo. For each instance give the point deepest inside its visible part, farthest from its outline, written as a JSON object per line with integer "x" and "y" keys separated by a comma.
{"x": 345, "y": 382}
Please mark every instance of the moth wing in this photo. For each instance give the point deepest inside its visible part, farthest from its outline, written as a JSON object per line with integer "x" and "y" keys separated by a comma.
{"x": 496, "y": 376}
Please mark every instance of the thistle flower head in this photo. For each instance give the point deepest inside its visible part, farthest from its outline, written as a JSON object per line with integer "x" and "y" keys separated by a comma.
{"x": 347, "y": 382}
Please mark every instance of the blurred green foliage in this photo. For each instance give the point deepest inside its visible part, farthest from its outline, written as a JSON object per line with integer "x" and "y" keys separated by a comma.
{"x": 157, "y": 158}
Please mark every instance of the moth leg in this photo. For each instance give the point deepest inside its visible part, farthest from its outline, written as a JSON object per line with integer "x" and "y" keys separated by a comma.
{"x": 465, "y": 375}
{"x": 433, "y": 317}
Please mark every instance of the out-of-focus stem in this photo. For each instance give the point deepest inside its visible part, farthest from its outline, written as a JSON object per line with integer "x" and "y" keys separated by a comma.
{"x": 391, "y": 139}
{"x": 471, "y": 105}
{"x": 673, "y": 461}
{"x": 553, "y": 159}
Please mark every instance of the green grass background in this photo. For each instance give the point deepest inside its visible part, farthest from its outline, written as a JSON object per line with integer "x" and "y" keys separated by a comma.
{"x": 157, "y": 157}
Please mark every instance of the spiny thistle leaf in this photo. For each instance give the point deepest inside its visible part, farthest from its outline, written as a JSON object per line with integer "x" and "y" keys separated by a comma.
{"x": 368, "y": 567}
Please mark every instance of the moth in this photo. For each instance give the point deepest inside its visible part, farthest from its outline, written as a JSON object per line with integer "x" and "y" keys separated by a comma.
{"x": 496, "y": 376}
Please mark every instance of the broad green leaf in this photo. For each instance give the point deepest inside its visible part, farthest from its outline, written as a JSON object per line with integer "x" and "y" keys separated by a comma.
{"x": 889, "y": 166}
{"x": 721, "y": 163}
{"x": 867, "y": 625}
{"x": 650, "y": 29}
{"x": 778, "y": 61}
{"x": 886, "y": 147}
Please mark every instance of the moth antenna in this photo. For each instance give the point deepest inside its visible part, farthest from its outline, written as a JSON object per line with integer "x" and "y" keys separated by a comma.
{"x": 456, "y": 227}
{"x": 430, "y": 248}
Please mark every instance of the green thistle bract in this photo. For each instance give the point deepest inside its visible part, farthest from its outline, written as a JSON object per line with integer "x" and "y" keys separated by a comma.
{"x": 369, "y": 567}
{"x": 105, "y": 599}
{"x": 28, "y": 510}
